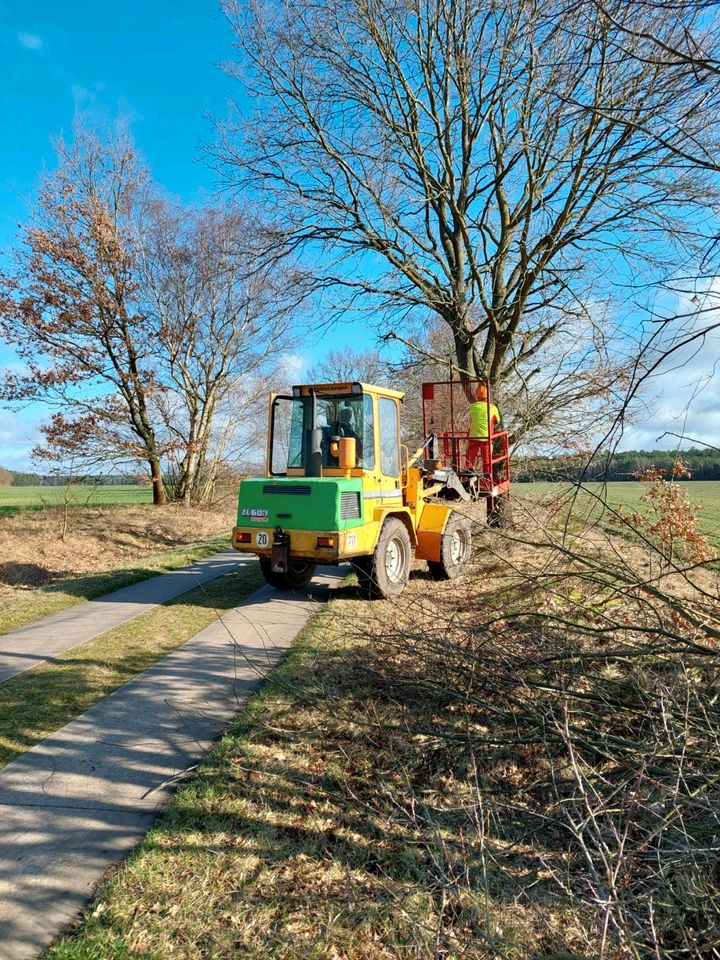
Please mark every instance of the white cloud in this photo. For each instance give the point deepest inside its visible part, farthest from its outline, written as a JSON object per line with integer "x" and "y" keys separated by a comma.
{"x": 18, "y": 435}
{"x": 292, "y": 365}
{"x": 683, "y": 395}
{"x": 94, "y": 105}
{"x": 31, "y": 41}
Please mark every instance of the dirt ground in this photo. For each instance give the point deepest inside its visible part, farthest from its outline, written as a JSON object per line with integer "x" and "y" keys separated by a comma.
{"x": 33, "y": 553}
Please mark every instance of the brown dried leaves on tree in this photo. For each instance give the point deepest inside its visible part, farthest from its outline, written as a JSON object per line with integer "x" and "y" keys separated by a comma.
{"x": 138, "y": 319}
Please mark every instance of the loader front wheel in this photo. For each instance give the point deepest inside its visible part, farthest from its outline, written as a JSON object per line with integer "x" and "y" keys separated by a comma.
{"x": 299, "y": 575}
{"x": 363, "y": 568}
{"x": 455, "y": 550}
{"x": 390, "y": 563}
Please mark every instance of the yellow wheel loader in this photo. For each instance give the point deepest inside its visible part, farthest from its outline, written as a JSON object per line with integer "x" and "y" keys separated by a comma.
{"x": 340, "y": 486}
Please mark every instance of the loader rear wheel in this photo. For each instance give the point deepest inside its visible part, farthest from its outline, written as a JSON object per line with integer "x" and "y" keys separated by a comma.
{"x": 389, "y": 566}
{"x": 299, "y": 575}
{"x": 455, "y": 550}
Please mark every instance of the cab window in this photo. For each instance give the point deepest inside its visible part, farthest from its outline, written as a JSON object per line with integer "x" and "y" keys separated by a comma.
{"x": 389, "y": 438}
{"x": 345, "y": 415}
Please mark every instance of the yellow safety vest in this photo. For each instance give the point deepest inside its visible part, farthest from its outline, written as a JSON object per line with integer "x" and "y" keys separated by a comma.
{"x": 479, "y": 418}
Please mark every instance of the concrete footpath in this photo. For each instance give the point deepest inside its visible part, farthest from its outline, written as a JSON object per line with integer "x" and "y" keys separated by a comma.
{"x": 83, "y": 798}
{"x": 27, "y": 646}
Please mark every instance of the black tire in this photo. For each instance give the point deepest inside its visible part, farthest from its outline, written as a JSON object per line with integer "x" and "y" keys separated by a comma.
{"x": 500, "y": 514}
{"x": 455, "y": 549}
{"x": 299, "y": 575}
{"x": 390, "y": 562}
{"x": 363, "y": 568}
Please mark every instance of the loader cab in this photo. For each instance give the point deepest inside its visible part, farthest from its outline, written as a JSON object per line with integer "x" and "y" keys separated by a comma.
{"x": 338, "y": 430}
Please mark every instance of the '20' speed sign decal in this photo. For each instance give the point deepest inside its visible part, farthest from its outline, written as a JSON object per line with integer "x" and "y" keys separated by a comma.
{"x": 262, "y": 539}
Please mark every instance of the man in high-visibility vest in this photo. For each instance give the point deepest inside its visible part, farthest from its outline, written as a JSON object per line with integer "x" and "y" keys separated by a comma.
{"x": 484, "y": 418}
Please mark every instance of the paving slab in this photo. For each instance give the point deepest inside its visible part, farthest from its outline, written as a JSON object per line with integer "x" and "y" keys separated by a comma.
{"x": 83, "y": 798}
{"x": 30, "y": 645}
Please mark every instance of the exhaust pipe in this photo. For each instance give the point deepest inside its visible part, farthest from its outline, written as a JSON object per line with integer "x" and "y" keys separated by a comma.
{"x": 313, "y": 443}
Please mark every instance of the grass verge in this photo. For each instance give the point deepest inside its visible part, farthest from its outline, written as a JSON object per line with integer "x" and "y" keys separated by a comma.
{"x": 292, "y": 841}
{"x": 36, "y": 703}
{"x": 31, "y": 604}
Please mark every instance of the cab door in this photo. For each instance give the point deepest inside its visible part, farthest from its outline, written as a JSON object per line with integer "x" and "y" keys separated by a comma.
{"x": 381, "y": 469}
{"x": 390, "y": 492}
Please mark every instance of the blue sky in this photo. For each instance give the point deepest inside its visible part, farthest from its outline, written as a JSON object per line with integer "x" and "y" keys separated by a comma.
{"x": 154, "y": 64}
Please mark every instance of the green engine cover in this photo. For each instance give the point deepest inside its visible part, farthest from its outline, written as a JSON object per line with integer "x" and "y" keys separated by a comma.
{"x": 301, "y": 503}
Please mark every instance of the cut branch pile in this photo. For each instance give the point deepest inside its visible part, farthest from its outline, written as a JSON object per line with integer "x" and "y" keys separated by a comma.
{"x": 567, "y": 700}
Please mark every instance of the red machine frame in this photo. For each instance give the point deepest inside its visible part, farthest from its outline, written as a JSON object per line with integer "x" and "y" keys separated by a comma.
{"x": 446, "y": 416}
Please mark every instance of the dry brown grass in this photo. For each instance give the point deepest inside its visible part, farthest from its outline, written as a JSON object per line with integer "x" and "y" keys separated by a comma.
{"x": 289, "y": 844}
{"x": 104, "y": 548}
{"x": 332, "y": 821}
{"x": 98, "y": 538}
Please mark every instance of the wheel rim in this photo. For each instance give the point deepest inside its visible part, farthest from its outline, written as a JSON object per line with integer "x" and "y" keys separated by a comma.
{"x": 395, "y": 560}
{"x": 458, "y": 547}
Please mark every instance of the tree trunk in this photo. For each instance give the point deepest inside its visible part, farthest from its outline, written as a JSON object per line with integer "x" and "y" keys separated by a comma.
{"x": 189, "y": 481}
{"x": 157, "y": 482}
{"x": 465, "y": 353}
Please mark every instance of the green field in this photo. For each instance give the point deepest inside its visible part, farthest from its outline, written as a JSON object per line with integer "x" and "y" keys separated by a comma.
{"x": 704, "y": 496}
{"x": 15, "y": 499}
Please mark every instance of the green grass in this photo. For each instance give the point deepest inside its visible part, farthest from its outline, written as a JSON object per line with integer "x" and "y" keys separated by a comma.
{"x": 42, "y": 601}
{"x": 14, "y": 500}
{"x": 36, "y": 703}
{"x": 704, "y": 495}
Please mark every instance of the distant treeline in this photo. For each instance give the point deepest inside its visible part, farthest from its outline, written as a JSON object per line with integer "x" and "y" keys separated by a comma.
{"x": 628, "y": 465}
{"x": 702, "y": 464}
{"x": 10, "y": 478}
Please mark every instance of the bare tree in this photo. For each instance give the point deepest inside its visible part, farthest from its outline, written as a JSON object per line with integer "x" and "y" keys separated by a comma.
{"x": 688, "y": 44}
{"x": 460, "y": 158}
{"x": 221, "y": 322}
{"x": 366, "y": 366}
